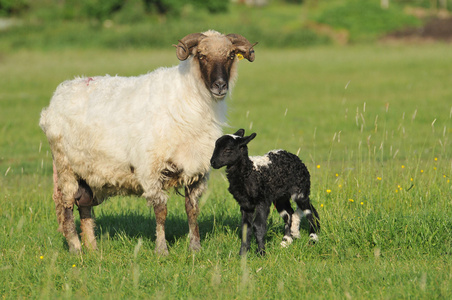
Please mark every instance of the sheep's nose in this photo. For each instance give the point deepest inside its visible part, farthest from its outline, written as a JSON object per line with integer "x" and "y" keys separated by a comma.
{"x": 213, "y": 164}
{"x": 220, "y": 85}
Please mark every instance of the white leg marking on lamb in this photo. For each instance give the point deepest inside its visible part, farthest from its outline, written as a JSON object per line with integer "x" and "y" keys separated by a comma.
{"x": 295, "y": 227}
{"x": 283, "y": 213}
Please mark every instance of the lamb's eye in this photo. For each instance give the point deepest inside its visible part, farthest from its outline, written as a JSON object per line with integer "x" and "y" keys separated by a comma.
{"x": 232, "y": 56}
{"x": 201, "y": 56}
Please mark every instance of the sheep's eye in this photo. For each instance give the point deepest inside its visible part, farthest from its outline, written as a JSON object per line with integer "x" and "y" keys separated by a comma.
{"x": 232, "y": 56}
{"x": 201, "y": 56}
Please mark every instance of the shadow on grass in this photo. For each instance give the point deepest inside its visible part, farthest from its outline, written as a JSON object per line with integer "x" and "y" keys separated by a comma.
{"x": 134, "y": 225}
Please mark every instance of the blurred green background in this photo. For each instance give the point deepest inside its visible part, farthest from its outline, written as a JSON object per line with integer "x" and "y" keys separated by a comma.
{"x": 55, "y": 24}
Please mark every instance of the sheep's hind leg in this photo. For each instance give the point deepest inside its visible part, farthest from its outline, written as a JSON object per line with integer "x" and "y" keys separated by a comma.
{"x": 192, "y": 210}
{"x": 64, "y": 205}
{"x": 286, "y": 212}
{"x": 307, "y": 209}
{"x": 85, "y": 200}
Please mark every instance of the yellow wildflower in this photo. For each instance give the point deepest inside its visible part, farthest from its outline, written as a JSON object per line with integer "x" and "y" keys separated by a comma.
{"x": 328, "y": 191}
{"x": 351, "y": 200}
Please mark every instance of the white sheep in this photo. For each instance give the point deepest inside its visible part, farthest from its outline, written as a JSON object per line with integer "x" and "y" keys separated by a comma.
{"x": 141, "y": 135}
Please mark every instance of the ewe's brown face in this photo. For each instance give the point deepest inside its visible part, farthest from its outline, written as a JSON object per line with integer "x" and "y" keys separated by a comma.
{"x": 216, "y": 56}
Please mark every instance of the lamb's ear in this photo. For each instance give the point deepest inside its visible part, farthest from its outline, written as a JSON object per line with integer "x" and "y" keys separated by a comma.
{"x": 240, "y": 132}
{"x": 247, "y": 139}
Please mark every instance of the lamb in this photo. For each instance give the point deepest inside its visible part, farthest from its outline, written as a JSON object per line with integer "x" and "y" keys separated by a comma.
{"x": 141, "y": 135}
{"x": 257, "y": 181}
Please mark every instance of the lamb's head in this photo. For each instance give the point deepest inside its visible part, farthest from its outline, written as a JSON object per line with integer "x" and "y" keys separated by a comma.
{"x": 215, "y": 54}
{"x": 230, "y": 148}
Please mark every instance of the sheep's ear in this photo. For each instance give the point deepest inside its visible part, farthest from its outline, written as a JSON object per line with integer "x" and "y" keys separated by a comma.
{"x": 240, "y": 132}
{"x": 242, "y": 45}
{"x": 247, "y": 139}
{"x": 186, "y": 45}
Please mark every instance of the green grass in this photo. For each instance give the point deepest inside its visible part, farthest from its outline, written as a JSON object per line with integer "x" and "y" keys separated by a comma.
{"x": 373, "y": 124}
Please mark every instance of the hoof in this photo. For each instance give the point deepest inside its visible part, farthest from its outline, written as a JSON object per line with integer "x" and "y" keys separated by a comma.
{"x": 260, "y": 252}
{"x": 195, "y": 246}
{"x": 287, "y": 240}
{"x": 75, "y": 251}
{"x": 162, "y": 250}
{"x": 313, "y": 238}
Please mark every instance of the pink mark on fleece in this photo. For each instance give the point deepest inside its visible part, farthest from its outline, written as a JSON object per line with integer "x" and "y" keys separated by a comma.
{"x": 89, "y": 79}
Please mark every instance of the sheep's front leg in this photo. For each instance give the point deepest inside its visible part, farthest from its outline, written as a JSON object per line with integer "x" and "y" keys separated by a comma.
{"x": 260, "y": 227}
{"x": 247, "y": 224}
{"x": 160, "y": 211}
{"x": 192, "y": 209}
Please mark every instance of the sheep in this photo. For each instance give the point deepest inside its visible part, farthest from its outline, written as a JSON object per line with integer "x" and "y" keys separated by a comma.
{"x": 257, "y": 181}
{"x": 141, "y": 135}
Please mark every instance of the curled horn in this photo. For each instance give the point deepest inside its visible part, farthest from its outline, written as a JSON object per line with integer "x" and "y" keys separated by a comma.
{"x": 243, "y": 45}
{"x": 183, "y": 49}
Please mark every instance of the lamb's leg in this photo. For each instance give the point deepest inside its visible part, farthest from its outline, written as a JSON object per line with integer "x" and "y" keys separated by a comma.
{"x": 247, "y": 223}
{"x": 192, "y": 209}
{"x": 160, "y": 211}
{"x": 64, "y": 204}
{"x": 286, "y": 212}
{"x": 307, "y": 209}
{"x": 260, "y": 226}
{"x": 84, "y": 199}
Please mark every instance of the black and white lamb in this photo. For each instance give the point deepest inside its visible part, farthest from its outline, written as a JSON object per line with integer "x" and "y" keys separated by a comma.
{"x": 257, "y": 181}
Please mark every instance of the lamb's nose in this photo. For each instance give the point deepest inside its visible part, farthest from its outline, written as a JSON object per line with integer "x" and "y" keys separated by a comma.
{"x": 212, "y": 163}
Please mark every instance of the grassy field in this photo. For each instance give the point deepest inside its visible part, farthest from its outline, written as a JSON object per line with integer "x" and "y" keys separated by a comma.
{"x": 372, "y": 123}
